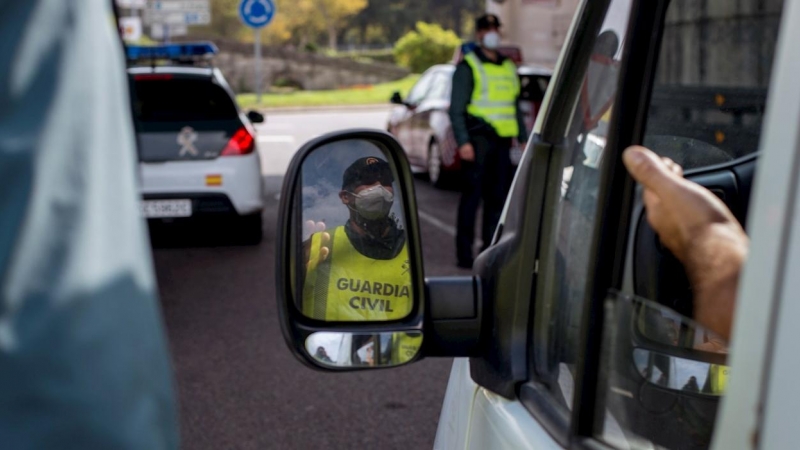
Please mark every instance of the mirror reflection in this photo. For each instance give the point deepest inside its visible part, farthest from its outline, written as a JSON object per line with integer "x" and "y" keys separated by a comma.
{"x": 681, "y": 374}
{"x": 667, "y": 327}
{"x": 354, "y": 263}
{"x": 363, "y": 349}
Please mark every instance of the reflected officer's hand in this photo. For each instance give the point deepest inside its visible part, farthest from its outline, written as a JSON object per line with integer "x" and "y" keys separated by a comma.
{"x": 310, "y": 228}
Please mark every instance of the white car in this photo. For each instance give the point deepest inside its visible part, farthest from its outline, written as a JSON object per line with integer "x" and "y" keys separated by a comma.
{"x": 197, "y": 150}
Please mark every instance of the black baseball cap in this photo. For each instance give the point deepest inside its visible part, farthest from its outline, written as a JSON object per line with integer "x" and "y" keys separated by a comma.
{"x": 487, "y": 22}
{"x": 365, "y": 171}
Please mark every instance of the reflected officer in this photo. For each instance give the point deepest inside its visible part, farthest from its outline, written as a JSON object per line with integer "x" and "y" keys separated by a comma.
{"x": 486, "y": 117}
{"x": 359, "y": 271}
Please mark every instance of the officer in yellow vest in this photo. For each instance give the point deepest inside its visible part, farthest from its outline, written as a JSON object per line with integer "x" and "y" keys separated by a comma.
{"x": 360, "y": 271}
{"x": 485, "y": 116}
{"x": 386, "y": 349}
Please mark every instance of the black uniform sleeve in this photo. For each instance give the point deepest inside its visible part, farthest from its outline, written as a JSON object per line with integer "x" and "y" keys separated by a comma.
{"x": 460, "y": 96}
{"x": 523, "y": 131}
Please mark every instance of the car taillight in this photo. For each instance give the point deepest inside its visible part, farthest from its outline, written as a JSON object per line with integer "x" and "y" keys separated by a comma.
{"x": 241, "y": 143}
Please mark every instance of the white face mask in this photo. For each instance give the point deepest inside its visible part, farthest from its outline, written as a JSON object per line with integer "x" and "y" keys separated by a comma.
{"x": 491, "y": 40}
{"x": 374, "y": 203}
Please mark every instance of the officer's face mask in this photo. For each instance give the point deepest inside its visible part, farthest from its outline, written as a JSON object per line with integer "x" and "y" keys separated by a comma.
{"x": 373, "y": 203}
{"x": 491, "y": 40}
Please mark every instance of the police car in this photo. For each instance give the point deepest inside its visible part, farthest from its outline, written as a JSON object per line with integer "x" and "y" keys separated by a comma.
{"x": 198, "y": 153}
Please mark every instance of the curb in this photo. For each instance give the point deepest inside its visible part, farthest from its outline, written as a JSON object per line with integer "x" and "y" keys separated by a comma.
{"x": 327, "y": 108}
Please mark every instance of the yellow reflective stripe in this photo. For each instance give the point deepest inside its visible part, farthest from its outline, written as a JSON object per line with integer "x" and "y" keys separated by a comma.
{"x": 477, "y": 65}
{"x": 501, "y": 116}
{"x": 490, "y": 104}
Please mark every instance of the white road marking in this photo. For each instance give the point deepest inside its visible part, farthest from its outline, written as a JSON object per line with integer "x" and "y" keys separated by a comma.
{"x": 276, "y": 138}
{"x": 275, "y": 126}
{"x": 449, "y": 229}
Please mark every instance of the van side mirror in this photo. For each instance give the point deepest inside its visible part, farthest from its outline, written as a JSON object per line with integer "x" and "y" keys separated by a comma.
{"x": 350, "y": 286}
{"x": 397, "y": 99}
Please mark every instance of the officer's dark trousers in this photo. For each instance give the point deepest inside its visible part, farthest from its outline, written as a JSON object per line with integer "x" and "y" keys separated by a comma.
{"x": 488, "y": 178}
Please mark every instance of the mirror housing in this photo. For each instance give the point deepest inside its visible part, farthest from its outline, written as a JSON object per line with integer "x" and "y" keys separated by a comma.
{"x": 255, "y": 117}
{"x": 446, "y": 312}
{"x": 397, "y": 99}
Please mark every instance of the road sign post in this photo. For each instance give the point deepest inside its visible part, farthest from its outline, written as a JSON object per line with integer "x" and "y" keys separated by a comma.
{"x": 257, "y": 14}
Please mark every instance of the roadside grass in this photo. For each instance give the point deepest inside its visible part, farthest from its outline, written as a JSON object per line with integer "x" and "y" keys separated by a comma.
{"x": 363, "y": 95}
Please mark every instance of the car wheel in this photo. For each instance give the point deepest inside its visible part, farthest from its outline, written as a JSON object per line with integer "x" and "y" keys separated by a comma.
{"x": 438, "y": 177}
{"x": 434, "y": 162}
{"x": 251, "y": 228}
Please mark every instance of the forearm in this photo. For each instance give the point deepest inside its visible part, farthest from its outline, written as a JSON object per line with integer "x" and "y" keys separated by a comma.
{"x": 714, "y": 265}
{"x": 459, "y": 100}
{"x": 459, "y": 121}
{"x": 458, "y": 118}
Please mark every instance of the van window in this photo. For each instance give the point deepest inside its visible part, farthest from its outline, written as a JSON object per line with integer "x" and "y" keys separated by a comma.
{"x": 564, "y": 273}
{"x": 662, "y": 375}
{"x": 711, "y": 83}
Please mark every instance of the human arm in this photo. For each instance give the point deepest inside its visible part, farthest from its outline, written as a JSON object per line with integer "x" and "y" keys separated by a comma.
{"x": 699, "y": 230}
{"x": 460, "y": 96}
{"x": 322, "y": 251}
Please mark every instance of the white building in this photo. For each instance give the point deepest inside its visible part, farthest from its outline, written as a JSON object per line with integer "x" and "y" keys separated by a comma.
{"x": 539, "y": 27}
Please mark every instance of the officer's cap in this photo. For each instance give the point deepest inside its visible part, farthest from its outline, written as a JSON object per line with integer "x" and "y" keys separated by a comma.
{"x": 366, "y": 171}
{"x": 487, "y": 22}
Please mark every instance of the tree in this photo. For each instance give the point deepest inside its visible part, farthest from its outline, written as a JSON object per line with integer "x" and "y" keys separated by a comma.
{"x": 429, "y": 44}
{"x": 397, "y": 17}
{"x": 299, "y": 21}
{"x": 305, "y": 22}
{"x": 225, "y": 21}
{"x": 335, "y": 14}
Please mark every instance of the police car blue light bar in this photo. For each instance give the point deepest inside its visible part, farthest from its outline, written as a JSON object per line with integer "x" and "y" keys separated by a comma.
{"x": 194, "y": 50}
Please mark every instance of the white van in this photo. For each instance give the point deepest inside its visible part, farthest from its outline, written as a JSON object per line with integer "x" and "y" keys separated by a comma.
{"x": 576, "y": 329}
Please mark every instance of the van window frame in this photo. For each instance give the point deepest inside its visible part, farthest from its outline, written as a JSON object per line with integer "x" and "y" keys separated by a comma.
{"x": 615, "y": 198}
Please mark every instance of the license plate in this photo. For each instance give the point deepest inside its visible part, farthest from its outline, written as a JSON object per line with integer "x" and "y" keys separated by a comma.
{"x": 166, "y": 208}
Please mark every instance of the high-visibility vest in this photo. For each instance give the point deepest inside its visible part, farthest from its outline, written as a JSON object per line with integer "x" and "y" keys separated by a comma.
{"x": 405, "y": 347}
{"x": 494, "y": 95}
{"x": 718, "y": 378}
{"x": 349, "y": 286}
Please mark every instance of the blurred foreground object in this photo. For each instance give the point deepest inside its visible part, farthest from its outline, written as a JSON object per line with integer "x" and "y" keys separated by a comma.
{"x": 83, "y": 357}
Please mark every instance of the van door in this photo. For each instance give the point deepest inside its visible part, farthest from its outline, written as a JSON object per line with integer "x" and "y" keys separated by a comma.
{"x": 578, "y": 108}
{"x": 615, "y": 359}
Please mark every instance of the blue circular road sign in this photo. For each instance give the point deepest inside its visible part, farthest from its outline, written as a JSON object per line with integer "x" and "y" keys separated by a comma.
{"x": 257, "y": 13}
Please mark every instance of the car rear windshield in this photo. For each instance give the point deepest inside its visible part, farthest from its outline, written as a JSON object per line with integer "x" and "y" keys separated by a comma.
{"x": 169, "y": 100}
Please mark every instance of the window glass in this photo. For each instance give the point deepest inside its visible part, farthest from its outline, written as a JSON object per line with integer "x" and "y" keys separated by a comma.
{"x": 181, "y": 100}
{"x": 711, "y": 82}
{"x": 440, "y": 86}
{"x": 662, "y": 379}
{"x": 420, "y": 88}
{"x": 663, "y": 376}
{"x": 566, "y": 258}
